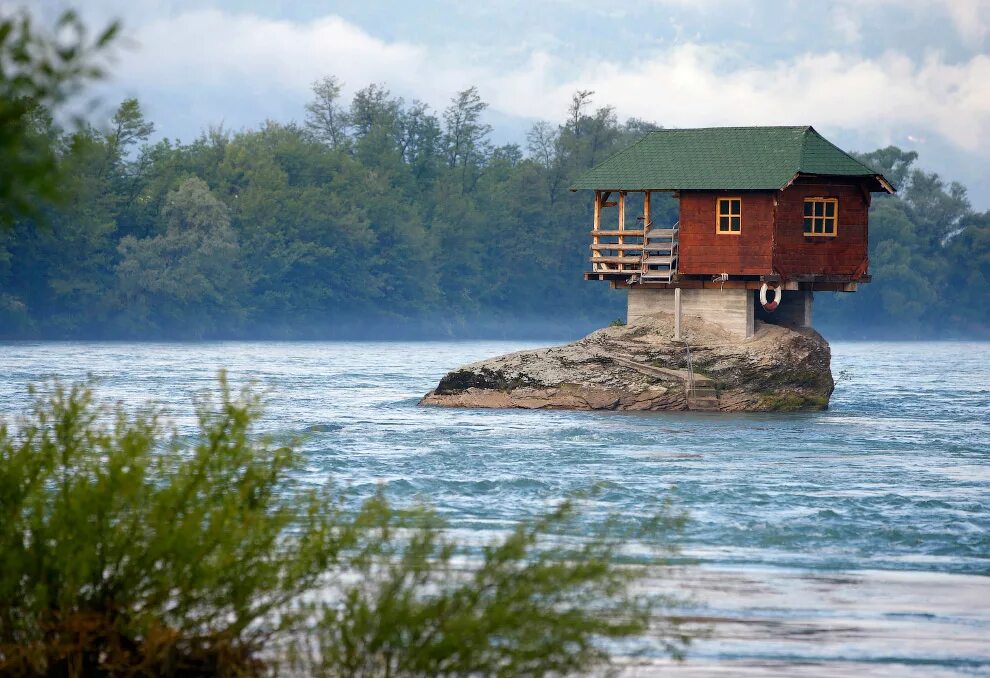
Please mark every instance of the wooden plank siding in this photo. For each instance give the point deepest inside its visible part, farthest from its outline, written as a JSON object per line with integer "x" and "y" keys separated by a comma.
{"x": 798, "y": 254}
{"x": 771, "y": 241}
{"x": 703, "y": 251}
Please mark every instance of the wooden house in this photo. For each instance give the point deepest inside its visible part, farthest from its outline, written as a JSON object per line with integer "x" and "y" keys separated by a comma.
{"x": 770, "y": 212}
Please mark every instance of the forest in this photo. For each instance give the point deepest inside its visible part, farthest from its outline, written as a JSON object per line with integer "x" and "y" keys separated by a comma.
{"x": 381, "y": 218}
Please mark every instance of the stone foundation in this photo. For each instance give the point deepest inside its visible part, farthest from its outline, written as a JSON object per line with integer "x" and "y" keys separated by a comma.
{"x": 733, "y": 310}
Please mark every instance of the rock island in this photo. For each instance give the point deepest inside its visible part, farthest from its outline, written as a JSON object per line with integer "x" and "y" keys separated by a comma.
{"x": 641, "y": 367}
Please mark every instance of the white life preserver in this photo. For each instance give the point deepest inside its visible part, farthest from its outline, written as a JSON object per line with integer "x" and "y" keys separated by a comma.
{"x": 771, "y": 306}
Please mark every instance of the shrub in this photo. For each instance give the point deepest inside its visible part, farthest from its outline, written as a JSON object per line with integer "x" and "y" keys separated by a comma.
{"x": 126, "y": 550}
{"x": 532, "y": 603}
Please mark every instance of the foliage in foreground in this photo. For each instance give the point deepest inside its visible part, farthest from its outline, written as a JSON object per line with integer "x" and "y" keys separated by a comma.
{"x": 38, "y": 72}
{"x": 126, "y": 551}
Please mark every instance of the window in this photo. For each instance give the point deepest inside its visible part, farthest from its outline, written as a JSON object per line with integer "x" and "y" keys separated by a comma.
{"x": 729, "y": 216}
{"x": 820, "y": 216}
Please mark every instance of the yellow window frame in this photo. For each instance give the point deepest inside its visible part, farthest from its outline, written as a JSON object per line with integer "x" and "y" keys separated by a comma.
{"x": 821, "y": 217}
{"x": 728, "y": 215}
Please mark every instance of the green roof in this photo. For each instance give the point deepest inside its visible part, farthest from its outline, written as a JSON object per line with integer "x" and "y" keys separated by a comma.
{"x": 715, "y": 158}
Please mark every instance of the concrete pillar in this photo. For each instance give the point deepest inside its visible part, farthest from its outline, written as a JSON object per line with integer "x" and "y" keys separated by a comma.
{"x": 750, "y": 295}
{"x": 795, "y": 309}
{"x": 730, "y": 309}
{"x": 677, "y": 314}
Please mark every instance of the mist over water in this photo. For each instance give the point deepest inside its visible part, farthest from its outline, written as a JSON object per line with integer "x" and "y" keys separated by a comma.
{"x": 859, "y": 537}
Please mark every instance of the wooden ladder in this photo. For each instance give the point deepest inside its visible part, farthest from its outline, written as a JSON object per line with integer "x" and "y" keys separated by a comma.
{"x": 659, "y": 257}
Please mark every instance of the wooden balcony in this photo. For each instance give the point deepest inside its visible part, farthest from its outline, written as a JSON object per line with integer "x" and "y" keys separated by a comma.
{"x": 617, "y": 249}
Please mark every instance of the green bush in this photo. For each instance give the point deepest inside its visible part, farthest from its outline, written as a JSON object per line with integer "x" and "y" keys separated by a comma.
{"x": 125, "y": 550}
{"x": 531, "y": 604}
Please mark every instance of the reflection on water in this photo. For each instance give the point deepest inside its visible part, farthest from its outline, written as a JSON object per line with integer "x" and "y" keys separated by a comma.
{"x": 859, "y": 536}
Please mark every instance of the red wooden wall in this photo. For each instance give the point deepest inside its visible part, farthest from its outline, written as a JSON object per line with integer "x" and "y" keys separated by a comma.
{"x": 772, "y": 239}
{"x": 703, "y": 251}
{"x": 795, "y": 253}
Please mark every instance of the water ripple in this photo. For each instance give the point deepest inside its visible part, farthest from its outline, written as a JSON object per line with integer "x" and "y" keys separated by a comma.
{"x": 895, "y": 477}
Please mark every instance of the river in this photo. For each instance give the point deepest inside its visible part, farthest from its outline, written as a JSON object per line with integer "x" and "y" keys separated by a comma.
{"x": 855, "y": 540}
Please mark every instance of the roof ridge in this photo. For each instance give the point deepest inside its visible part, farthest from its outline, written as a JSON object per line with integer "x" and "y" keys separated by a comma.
{"x": 721, "y": 127}
{"x": 818, "y": 134}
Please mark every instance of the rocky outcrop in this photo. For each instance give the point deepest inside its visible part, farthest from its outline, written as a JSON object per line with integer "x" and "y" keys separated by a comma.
{"x": 641, "y": 367}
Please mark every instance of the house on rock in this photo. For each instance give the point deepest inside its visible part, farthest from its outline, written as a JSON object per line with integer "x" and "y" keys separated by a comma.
{"x": 767, "y": 217}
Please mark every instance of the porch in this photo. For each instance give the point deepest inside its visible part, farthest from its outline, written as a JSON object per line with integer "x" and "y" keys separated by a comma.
{"x": 639, "y": 254}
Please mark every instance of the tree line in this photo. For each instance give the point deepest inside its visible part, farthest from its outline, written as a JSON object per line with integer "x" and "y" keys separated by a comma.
{"x": 379, "y": 217}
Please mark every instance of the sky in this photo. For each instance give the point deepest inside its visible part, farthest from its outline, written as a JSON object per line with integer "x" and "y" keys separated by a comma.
{"x": 865, "y": 73}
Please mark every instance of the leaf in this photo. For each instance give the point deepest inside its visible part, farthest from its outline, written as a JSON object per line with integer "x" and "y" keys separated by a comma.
{"x": 108, "y": 35}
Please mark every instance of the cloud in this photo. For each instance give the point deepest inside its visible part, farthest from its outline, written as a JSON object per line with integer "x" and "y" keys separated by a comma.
{"x": 211, "y": 49}
{"x": 218, "y": 64}
{"x": 847, "y": 22}
{"x": 970, "y": 19}
{"x": 697, "y": 85}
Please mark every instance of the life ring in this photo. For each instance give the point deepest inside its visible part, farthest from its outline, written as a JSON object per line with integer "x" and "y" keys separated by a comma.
{"x": 771, "y": 306}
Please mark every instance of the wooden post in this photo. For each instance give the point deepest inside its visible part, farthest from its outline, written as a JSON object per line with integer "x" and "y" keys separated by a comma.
{"x": 646, "y": 218}
{"x": 622, "y": 226}
{"x": 597, "y": 223}
{"x": 622, "y": 210}
{"x": 646, "y": 210}
{"x": 677, "y": 314}
{"x": 598, "y": 209}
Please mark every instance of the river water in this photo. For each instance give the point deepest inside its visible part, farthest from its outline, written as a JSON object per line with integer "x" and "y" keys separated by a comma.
{"x": 855, "y": 540}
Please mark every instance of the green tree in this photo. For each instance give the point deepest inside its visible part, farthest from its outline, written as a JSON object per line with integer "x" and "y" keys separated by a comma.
{"x": 190, "y": 273}
{"x": 374, "y": 109}
{"x": 325, "y": 117}
{"x": 543, "y": 142}
{"x": 587, "y": 139}
{"x": 128, "y": 127}
{"x": 937, "y": 207}
{"x": 466, "y": 136}
{"x": 420, "y": 142}
{"x": 38, "y": 72}
{"x": 891, "y": 162}
{"x": 967, "y": 278}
